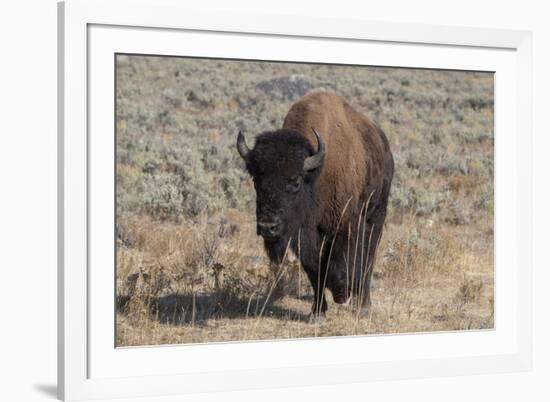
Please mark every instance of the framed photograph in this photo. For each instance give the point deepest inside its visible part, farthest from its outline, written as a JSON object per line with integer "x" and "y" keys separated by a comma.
{"x": 255, "y": 201}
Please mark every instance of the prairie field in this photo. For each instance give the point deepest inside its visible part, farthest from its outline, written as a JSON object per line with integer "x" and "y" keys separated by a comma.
{"x": 189, "y": 265}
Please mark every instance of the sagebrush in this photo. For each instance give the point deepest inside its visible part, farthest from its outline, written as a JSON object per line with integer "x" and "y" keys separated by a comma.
{"x": 190, "y": 267}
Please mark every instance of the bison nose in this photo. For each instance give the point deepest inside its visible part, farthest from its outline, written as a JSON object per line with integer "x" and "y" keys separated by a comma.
{"x": 269, "y": 229}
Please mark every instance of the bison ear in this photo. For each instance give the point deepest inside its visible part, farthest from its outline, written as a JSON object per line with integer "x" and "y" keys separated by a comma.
{"x": 242, "y": 147}
{"x": 315, "y": 161}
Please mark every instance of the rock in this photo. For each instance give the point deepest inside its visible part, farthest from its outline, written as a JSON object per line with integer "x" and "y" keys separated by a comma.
{"x": 289, "y": 87}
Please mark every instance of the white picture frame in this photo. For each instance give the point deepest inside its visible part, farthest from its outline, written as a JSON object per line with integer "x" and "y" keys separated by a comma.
{"x": 91, "y": 32}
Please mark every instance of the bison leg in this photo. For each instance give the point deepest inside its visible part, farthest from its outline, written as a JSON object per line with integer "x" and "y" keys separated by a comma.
{"x": 361, "y": 300}
{"x": 364, "y": 300}
{"x": 373, "y": 234}
{"x": 338, "y": 270}
{"x": 319, "y": 306}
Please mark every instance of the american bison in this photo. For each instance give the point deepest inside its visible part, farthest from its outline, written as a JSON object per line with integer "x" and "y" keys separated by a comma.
{"x": 322, "y": 185}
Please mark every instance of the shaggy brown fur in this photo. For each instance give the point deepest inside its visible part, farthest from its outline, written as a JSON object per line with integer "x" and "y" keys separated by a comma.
{"x": 331, "y": 216}
{"x": 358, "y": 160}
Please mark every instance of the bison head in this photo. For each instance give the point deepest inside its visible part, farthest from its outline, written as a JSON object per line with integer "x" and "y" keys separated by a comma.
{"x": 284, "y": 167}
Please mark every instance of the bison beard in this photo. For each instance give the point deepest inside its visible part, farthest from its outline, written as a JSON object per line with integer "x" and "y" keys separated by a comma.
{"x": 322, "y": 186}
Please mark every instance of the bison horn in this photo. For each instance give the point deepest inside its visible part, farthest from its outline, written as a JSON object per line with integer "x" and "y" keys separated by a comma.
{"x": 241, "y": 146}
{"x": 316, "y": 160}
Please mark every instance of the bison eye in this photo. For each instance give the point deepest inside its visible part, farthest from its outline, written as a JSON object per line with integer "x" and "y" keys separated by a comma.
{"x": 294, "y": 184}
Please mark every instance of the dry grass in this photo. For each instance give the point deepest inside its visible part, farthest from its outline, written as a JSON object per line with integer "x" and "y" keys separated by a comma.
{"x": 428, "y": 278}
{"x": 190, "y": 267}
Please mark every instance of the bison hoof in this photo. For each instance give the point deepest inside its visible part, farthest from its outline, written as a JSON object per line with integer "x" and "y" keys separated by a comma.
{"x": 362, "y": 312}
{"x": 317, "y": 318}
{"x": 341, "y": 298}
